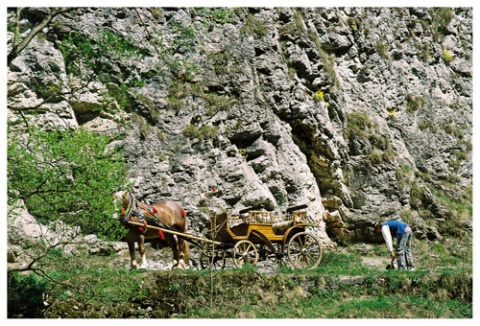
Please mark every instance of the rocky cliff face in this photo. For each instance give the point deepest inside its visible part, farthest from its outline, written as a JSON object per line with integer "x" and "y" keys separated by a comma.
{"x": 272, "y": 106}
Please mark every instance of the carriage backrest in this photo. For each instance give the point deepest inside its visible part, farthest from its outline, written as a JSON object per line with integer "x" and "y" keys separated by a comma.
{"x": 299, "y": 217}
{"x": 266, "y": 217}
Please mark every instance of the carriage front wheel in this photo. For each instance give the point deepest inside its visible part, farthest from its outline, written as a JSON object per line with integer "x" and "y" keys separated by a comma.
{"x": 244, "y": 252}
{"x": 304, "y": 251}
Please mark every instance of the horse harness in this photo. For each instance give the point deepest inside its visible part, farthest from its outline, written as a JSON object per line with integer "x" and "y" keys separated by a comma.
{"x": 134, "y": 209}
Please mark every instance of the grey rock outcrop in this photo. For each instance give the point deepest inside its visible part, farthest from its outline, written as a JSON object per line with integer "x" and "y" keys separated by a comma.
{"x": 28, "y": 239}
{"x": 272, "y": 106}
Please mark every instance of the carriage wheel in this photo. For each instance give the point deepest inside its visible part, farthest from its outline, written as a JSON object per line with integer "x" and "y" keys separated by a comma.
{"x": 244, "y": 252}
{"x": 209, "y": 260}
{"x": 304, "y": 251}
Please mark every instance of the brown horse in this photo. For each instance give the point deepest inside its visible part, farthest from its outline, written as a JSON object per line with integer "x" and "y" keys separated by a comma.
{"x": 165, "y": 214}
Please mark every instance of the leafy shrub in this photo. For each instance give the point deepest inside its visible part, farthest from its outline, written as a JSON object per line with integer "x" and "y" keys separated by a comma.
{"x": 91, "y": 60}
{"x": 69, "y": 176}
{"x": 186, "y": 37}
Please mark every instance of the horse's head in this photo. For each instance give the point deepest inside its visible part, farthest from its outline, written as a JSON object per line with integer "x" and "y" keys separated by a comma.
{"x": 123, "y": 201}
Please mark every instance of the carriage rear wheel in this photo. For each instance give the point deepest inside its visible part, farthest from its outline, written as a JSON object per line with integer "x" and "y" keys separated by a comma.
{"x": 244, "y": 252}
{"x": 212, "y": 259}
{"x": 304, "y": 251}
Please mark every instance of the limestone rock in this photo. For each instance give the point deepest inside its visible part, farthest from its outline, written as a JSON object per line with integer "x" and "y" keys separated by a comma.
{"x": 273, "y": 106}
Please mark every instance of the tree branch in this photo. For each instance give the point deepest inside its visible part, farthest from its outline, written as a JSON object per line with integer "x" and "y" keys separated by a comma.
{"x": 18, "y": 48}
{"x": 34, "y": 260}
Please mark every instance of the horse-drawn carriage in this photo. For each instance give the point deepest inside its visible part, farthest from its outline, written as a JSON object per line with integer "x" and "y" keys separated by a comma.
{"x": 251, "y": 236}
{"x": 256, "y": 235}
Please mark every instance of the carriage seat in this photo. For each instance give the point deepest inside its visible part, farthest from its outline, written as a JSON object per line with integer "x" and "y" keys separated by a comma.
{"x": 281, "y": 227}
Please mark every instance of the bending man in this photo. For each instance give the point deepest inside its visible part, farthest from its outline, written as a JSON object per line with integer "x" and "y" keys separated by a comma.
{"x": 403, "y": 233}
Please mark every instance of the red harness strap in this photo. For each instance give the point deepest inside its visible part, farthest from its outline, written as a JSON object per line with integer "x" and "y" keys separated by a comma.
{"x": 144, "y": 227}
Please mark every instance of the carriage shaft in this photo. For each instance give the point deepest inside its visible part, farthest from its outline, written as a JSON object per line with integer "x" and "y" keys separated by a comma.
{"x": 183, "y": 235}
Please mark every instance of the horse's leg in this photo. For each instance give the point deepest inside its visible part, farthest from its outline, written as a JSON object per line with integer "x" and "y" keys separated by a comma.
{"x": 183, "y": 253}
{"x": 142, "y": 250}
{"x": 131, "y": 249}
{"x": 172, "y": 243}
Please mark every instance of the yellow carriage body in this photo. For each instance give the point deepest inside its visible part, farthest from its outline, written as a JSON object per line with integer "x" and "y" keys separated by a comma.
{"x": 273, "y": 227}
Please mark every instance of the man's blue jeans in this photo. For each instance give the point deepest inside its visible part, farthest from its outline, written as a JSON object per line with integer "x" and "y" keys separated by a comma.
{"x": 404, "y": 250}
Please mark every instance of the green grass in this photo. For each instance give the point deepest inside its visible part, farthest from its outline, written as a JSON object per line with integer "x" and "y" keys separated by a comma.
{"x": 248, "y": 294}
{"x": 342, "y": 286}
{"x": 340, "y": 302}
{"x": 392, "y": 306}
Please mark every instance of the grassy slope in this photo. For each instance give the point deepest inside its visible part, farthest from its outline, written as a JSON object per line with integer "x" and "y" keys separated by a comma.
{"x": 343, "y": 286}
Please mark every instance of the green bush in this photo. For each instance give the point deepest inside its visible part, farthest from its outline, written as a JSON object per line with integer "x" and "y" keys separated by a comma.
{"x": 69, "y": 176}
{"x": 25, "y": 295}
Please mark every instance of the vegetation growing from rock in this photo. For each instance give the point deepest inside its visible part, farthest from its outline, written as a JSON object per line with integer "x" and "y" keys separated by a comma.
{"x": 272, "y": 106}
